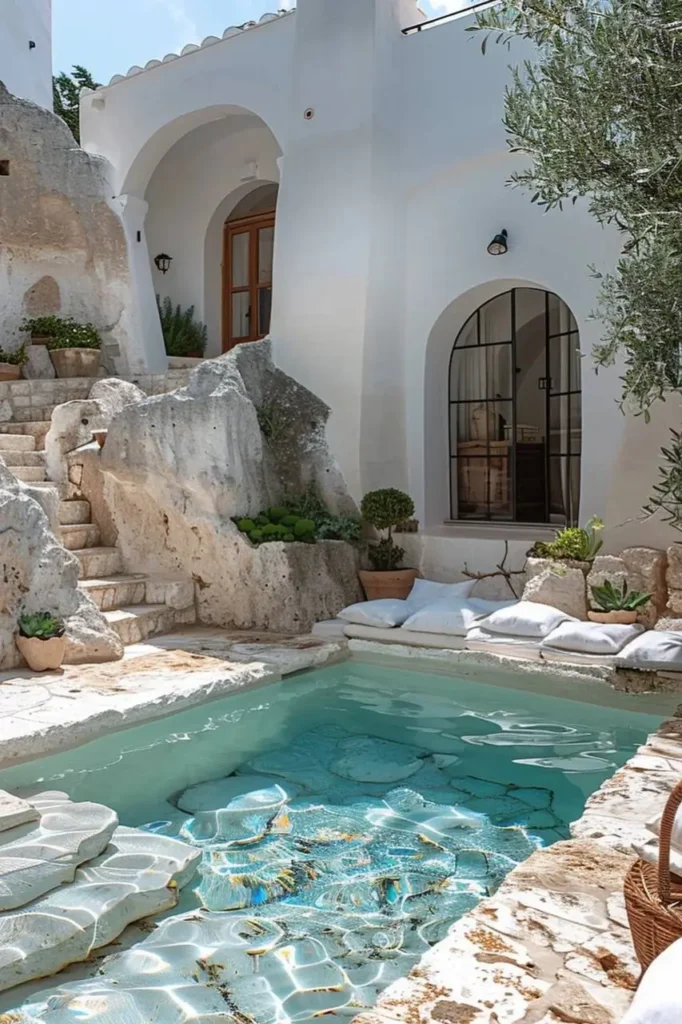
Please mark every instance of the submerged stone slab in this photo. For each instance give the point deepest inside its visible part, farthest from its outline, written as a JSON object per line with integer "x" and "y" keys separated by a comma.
{"x": 38, "y": 856}
{"x": 15, "y": 811}
{"x": 368, "y": 759}
{"x": 138, "y": 875}
{"x": 210, "y": 796}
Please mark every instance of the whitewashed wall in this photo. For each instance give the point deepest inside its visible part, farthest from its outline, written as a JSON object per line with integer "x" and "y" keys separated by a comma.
{"x": 27, "y": 70}
{"x": 389, "y": 194}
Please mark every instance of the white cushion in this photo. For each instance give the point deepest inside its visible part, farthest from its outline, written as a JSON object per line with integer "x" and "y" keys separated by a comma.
{"x": 452, "y": 616}
{"x": 658, "y": 999}
{"x": 525, "y": 618}
{"x": 426, "y": 592}
{"x": 482, "y": 636}
{"x": 389, "y": 611}
{"x": 652, "y": 651}
{"x": 591, "y": 637}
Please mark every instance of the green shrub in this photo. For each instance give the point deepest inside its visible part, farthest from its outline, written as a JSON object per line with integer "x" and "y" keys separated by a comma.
{"x": 288, "y": 537}
{"x": 256, "y": 536}
{"x": 270, "y": 530}
{"x": 339, "y": 528}
{"x": 277, "y": 514}
{"x": 385, "y": 510}
{"x": 43, "y": 326}
{"x": 574, "y": 543}
{"x": 290, "y": 520}
{"x": 182, "y": 335}
{"x": 16, "y": 358}
{"x": 304, "y": 528}
{"x": 262, "y": 520}
{"x": 246, "y": 525}
{"x": 41, "y": 625}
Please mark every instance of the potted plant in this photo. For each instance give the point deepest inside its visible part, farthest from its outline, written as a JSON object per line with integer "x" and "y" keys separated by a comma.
{"x": 42, "y": 328}
{"x": 616, "y": 604}
{"x": 386, "y": 510}
{"x": 572, "y": 544}
{"x": 183, "y": 336}
{"x": 11, "y": 363}
{"x": 74, "y": 350}
{"x": 41, "y": 640}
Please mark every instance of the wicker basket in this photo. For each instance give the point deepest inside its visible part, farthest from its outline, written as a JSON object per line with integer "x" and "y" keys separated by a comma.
{"x": 653, "y": 897}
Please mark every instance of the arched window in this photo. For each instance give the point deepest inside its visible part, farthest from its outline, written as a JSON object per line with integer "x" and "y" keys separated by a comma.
{"x": 515, "y": 411}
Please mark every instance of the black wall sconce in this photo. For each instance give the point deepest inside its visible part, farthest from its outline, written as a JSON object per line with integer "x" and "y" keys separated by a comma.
{"x": 163, "y": 262}
{"x": 499, "y": 246}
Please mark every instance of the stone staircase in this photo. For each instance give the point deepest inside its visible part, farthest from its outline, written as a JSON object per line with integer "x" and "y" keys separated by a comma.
{"x": 136, "y": 606}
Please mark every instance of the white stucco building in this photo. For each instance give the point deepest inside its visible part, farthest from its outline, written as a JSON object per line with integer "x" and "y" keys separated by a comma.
{"x": 26, "y": 49}
{"x": 334, "y": 176}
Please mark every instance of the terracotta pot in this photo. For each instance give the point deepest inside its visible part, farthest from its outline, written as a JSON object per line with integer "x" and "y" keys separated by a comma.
{"x": 617, "y": 618}
{"x": 100, "y": 436}
{"x": 42, "y": 655}
{"x": 75, "y": 362}
{"x": 378, "y": 585}
{"x": 8, "y": 371}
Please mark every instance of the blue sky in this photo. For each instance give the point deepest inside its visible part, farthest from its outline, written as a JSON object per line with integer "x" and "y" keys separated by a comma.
{"x": 108, "y": 36}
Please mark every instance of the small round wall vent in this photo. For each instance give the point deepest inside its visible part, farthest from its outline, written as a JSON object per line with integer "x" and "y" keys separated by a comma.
{"x": 309, "y": 114}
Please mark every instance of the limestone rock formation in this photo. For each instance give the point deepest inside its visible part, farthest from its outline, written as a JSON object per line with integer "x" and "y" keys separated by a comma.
{"x": 38, "y": 574}
{"x": 553, "y": 583}
{"x": 643, "y": 569}
{"x": 63, "y": 245}
{"x": 72, "y": 423}
{"x": 240, "y": 437}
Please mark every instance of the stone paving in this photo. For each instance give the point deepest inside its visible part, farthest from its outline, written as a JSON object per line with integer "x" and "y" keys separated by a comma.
{"x": 551, "y": 946}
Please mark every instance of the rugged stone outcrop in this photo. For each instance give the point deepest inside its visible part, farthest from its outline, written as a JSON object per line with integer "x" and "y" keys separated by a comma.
{"x": 240, "y": 437}
{"x": 73, "y": 422}
{"x": 643, "y": 569}
{"x": 38, "y": 574}
{"x": 63, "y": 245}
{"x": 557, "y": 584}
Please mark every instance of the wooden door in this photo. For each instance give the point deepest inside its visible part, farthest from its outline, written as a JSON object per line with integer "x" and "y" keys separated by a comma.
{"x": 247, "y": 278}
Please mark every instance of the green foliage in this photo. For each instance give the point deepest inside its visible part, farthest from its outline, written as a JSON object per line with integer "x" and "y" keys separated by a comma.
{"x": 610, "y": 598}
{"x": 63, "y": 332}
{"x": 66, "y": 91}
{"x": 667, "y": 494}
{"x": 339, "y": 528}
{"x": 41, "y": 625}
{"x": 182, "y": 335}
{"x": 385, "y": 556}
{"x": 386, "y": 510}
{"x": 16, "y": 358}
{"x": 598, "y": 113}
{"x": 575, "y": 543}
{"x": 305, "y": 519}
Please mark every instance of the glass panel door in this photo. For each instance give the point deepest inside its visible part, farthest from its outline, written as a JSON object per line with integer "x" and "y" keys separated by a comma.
{"x": 247, "y": 277}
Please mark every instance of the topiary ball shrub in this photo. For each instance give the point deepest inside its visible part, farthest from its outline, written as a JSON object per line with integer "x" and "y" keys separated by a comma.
{"x": 290, "y": 520}
{"x": 277, "y": 514}
{"x": 304, "y": 528}
{"x": 256, "y": 536}
{"x": 262, "y": 520}
{"x": 386, "y": 510}
{"x": 246, "y": 525}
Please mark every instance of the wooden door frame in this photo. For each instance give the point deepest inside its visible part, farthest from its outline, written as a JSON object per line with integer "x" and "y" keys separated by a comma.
{"x": 253, "y": 224}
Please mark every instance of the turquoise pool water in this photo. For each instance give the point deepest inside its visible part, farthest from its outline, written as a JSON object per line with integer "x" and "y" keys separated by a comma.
{"x": 362, "y": 807}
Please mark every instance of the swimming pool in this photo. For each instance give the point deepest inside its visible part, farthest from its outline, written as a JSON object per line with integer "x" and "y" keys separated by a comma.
{"x": 346, "y": 818}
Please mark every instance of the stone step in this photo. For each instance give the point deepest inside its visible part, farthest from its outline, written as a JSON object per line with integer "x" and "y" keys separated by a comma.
{"x": 17, "y": 443}
{"x": 13, "y": 459}
{"x": 33, "y": 414}
{"x": 98, "y": 562}
{"x": 29, "y": 474}
{"x": 139, "y": 875}
{"x": 43, "y": 855}
{"x": 78, "y": 536}
{"x": 119, "y": 591}
{"x": 135, "y": 623}
{"x": 36, "y": 428}
{"x": 72, "y": 512}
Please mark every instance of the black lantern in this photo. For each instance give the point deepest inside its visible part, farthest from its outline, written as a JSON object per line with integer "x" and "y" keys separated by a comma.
{"x": 163, "y": 262}
{"x": 498, "y": 246}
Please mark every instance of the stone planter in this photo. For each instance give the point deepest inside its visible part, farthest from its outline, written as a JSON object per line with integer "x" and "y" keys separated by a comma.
{"x": 42, "y": 655}
{"x": 9, "y": 371}
{"x": 75, "y": 362}
{"x": 614, "y": 618}
{"x": 377, "y": 585}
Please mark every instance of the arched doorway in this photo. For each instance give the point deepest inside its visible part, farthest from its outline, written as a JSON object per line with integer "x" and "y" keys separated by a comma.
{"x": 249, "y": 240}
{"x": 515, "y": 411}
